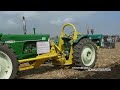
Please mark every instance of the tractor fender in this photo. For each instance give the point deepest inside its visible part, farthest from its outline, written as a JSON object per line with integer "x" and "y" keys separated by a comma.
{"x": 79, "y": 38}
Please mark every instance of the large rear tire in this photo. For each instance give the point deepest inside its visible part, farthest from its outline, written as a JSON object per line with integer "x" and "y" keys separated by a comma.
{"x": 8, "y": 62}
{"x": 85, "y": 54}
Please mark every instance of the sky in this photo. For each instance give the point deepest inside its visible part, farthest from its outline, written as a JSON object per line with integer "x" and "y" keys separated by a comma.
{"x": 51, "y": 22}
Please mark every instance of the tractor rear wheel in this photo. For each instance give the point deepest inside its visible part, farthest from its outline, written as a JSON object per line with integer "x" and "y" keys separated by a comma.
{"x": 8, "y": 62}
{"x": 85, "y": 54}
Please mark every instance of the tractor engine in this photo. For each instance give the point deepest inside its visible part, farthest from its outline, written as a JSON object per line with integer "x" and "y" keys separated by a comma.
{"x": 29, "y": 47}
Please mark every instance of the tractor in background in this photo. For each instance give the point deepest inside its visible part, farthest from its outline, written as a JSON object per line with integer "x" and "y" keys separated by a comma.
{"x": 108, "y": 42}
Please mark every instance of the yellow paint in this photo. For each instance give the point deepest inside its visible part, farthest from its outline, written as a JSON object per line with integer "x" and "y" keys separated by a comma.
{"x": 26, "y": 68}
{"x": 63, "y": 34}
{"x": 61, "y": 42}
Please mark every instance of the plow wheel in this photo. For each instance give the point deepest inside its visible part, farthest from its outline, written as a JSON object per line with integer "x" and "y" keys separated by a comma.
{"x": 8, "y": 63}
{"x": 85, "y": 54}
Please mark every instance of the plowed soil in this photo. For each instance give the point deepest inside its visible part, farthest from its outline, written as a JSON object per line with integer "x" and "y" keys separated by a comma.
{"x": 107, "y": 59}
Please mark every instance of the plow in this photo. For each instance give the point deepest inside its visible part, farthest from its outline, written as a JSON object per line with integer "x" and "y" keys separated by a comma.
{"x": 33, "y": 50}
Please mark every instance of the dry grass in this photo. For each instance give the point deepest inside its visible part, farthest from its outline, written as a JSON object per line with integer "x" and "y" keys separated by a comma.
{"x": 107, "y": 58}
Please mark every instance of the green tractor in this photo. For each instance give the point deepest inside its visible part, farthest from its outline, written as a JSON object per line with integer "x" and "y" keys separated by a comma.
{"x": 17, "y": 47}
{"x": 34, "y": 49}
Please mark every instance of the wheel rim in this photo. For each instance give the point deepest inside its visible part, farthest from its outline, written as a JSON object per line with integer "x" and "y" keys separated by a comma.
{"x": 88, "y": 55}
{"x": 5, "y": 66}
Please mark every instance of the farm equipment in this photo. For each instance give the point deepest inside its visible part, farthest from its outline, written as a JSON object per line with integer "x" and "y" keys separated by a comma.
{"x": 108, "y": 42}
{"x": 34, "y": 49}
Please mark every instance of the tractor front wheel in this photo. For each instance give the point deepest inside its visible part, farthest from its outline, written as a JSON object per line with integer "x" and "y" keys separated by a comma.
{"x": 85, "y": 54}
{"x": 8, "y": 62}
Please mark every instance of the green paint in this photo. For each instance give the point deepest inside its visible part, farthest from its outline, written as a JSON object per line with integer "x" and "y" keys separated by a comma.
{"x": 24, "y": 45}
{"x": 94, "y": 38}
{"x": 67, "y": 45}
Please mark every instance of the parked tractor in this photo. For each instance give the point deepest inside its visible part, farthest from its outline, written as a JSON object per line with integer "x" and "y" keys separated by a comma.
{"x": 109, "y": 42}
{"x": 33, "y": 50}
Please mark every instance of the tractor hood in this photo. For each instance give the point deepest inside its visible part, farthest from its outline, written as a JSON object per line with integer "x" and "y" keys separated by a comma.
{"x": 94, "y": 36}
{"x": 23, "y": 38}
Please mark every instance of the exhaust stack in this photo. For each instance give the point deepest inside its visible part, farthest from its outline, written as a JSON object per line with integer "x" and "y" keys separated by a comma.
{"x": 87, "y": 27}
{"x": 92, "y": 31}
{"x": 34, "y": 30}
{"x": 24, "y": 26}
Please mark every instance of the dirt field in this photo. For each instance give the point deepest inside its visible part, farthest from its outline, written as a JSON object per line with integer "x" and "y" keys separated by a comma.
{"x": 108, "y": 59}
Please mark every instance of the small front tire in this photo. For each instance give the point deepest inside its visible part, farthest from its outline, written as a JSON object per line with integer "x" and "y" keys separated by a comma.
{"x": 8, "y": 62}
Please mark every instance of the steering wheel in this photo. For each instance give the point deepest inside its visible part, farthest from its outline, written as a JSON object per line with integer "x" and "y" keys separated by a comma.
{"x": 70, "y": 35}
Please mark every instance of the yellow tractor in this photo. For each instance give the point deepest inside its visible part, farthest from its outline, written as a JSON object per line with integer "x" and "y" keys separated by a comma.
{"x": 68, "y": 50}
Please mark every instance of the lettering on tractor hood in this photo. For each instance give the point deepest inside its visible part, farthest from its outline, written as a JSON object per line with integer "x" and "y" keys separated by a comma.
{"x": 10, "y": 41}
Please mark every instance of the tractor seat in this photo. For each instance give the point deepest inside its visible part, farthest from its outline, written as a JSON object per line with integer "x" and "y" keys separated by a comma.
{"x": 65, "y": 38}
